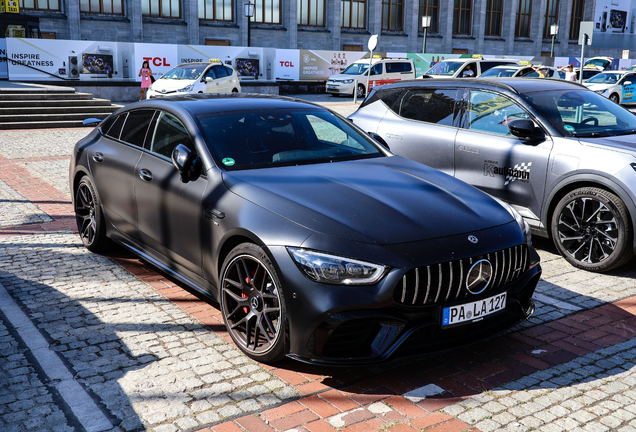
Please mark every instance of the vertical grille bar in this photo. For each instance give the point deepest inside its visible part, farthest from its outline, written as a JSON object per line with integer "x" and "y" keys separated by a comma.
{"x": 403, "y": 288}
{"x": 428, "y": 284}
{"x": 417, "y": 284}
{"x": 450, "y": 282}
{"x": 509, "y": 266}
{"x": 461, "y": 278}
{"x": 439, "y": 284}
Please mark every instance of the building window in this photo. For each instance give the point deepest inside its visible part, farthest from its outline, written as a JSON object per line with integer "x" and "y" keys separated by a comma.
{"x": 494, "y": 10}
{"x": 311, "y": 12}
{"x": 52, "y": 5}
{"x": 161, "y": 8}
{"x": 462, "y": 15}
{"x": 522, "y": 28}
{"x": 218, "y": 10}
{"x": 551, "y": 17}
{"x": 430, "y": 8}
{"x": 354, "y": 14}
{"x": 102, "y": 6}
{"x": 267, "y": 12}
{"x": 577, "y": 16}
{"x": 392, "y": 15}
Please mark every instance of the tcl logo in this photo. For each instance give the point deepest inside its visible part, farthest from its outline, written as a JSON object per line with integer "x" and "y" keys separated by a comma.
{"x": 286, "y": 64}
{"x": 157, "y": 61}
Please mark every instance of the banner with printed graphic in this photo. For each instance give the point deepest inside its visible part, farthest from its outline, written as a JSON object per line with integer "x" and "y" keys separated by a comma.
{"x": 320, "y": 65}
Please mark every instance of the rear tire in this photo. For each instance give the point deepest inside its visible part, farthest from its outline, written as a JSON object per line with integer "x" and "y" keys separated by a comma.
{"x": 89, "y": 217}
{"x": 591, "y": 228}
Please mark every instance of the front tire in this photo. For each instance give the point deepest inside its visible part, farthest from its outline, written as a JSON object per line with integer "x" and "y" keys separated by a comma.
{"x": 89, "y": 217}
{"x": 360, "y": 92}
{"x": 591, "y": 229}
{"x": 252, "y": 303}
{"x": 614, "y": 98}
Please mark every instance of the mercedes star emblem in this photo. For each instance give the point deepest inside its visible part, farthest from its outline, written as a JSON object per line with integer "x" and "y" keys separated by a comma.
{"x": 473, "y": 239}
{"x": 479, "y": 277}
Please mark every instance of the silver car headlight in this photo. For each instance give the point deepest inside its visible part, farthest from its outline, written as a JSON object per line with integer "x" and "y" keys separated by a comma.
{"x": 332, "y": 269}
{"x": 349, "y": 81}
{"x": 599, "y": 91}
{"x": 187, "y": 88}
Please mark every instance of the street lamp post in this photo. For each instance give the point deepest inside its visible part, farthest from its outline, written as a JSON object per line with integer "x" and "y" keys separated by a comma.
{"x": 249, "y": 13}
{"x": 554, "y": 30}
{"x": 426, "y": 23}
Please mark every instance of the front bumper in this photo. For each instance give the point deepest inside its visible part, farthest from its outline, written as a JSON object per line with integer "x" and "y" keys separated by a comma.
{"x": 339, "y": 88}
{"x": 359, "y": 325}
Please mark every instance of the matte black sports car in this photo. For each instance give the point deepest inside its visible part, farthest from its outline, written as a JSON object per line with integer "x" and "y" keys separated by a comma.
{"x": 316, "y": 241}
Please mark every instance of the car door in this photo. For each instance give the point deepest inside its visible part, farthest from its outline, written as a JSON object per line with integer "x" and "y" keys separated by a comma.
{"x": 422, "y": 126}
{"x": 489, "y": 157}
{"x": 220, "y": 80}
{"x": 112, "y": 161}
{"x": 627, "y": 90}
{"x": 170, "y": 213}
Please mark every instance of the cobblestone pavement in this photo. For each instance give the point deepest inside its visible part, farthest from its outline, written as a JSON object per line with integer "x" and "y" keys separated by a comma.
{"x": 148, "y": 355}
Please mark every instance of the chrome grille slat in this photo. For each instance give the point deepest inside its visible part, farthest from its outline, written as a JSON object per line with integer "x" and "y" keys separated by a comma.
{"x": 417, "y": 284}
{"x": 439, "y": 285}
{"x": 508, "y": 265}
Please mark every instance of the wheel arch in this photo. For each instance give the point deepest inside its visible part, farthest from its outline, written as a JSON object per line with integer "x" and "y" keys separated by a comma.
{"x": 586, "y": 180}
{"x": 77, "y": 176}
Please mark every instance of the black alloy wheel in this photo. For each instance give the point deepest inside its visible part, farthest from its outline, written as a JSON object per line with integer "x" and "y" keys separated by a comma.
{"x": 88, "y": 216}
{"x": 252, "y": 303}
{"x": 592, "y": 230}
{"x": 360, "y": 91}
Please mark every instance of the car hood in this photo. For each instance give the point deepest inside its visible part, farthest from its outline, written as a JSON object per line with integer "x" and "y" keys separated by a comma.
{"x": 171, "y": 84}
{"x": 597, "y": 87}
{"x": 623, "y": 142}
{"x": 386, "y": 200}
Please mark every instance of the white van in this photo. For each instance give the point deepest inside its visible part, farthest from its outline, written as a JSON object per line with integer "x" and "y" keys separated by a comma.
{"x": 383, "y": 71}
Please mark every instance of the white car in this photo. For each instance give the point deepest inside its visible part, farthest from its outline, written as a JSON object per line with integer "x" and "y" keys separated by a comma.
{"x": 383, "y": 71}
{"x": 213, "y": 77}
{"x": 611, "y": 84}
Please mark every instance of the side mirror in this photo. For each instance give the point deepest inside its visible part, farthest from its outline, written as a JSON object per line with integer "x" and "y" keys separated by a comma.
{"x": 208, "y": 79}
{"x": 91, "y": 121}
{"x": 626, "y": 83}
{"x": 379, "y": 139}
{"x": 522, "y": 128}
{"x": 188, "y": 164}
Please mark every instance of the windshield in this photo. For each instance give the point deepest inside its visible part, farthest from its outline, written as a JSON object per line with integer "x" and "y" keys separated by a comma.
{"x": 445, "y": 68}
{"x": 583, "y": 113}
{"x": 605, "y": 78}
{"x": 499, "y": 72}
{"x": 597, "y": 62}
{"x": 279, "y": 137}
{"x": 185, "y": 72}
{"x": 356, "y": 69}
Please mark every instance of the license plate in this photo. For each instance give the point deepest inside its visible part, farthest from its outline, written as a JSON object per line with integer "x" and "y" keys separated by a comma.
{"x": 330, "y": 87}
{"x": 473, "y": 312}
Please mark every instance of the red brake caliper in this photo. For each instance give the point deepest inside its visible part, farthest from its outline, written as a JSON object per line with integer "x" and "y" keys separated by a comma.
{"x": 243, "y": 295}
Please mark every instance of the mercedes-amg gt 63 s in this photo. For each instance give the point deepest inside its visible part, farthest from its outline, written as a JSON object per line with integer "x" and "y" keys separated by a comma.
{"x": 317, "y": 242}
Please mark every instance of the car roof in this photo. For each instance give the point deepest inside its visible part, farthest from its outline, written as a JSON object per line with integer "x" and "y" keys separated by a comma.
{"x": 516, "y": 85}
{"x": 199, "y": 63}
{"x": 206, "y": 103}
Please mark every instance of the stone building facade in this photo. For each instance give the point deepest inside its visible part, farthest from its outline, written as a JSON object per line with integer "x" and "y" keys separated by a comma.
{"x": 499, "y": 27}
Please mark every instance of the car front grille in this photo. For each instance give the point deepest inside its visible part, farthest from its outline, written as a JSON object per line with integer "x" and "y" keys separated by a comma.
{"x": 446, "y": 281}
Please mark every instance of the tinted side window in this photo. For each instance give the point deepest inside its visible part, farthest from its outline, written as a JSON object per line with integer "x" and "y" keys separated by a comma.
{"x": 430, "y": 105}
{"x": 398, "y": 67}
{"x": 113, "y": 129}
{"x": 210, "y": 73}
{"x": 220, "y": 71}
{"x": 390, "y": 97}
{"x": 136, "y": 126}
{"x": 376, "y": 69}
{"x": 229, "y": 70}
{"x": 168, "y": 134}
{"x": 490, "y": 112}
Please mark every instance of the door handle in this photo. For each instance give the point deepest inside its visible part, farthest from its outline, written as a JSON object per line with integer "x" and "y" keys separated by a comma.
{"x": 98, "y": 157}
{"x": 145, "y": 175}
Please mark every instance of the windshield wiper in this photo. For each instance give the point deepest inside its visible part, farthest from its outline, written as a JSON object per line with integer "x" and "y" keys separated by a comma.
{"x": 630, "y": 132}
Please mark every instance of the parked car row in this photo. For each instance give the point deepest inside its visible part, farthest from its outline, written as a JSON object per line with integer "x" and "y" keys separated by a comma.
{"x": 354, "y": 241}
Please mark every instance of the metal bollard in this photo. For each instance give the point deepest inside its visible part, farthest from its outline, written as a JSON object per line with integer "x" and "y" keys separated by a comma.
{"x": 355, "y": 91}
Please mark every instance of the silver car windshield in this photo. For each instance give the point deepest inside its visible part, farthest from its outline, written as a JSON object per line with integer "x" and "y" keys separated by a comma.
{"x": 605, "y": 78}
{"x": 583, "y": 113}
{"x": 261, "y": 139}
